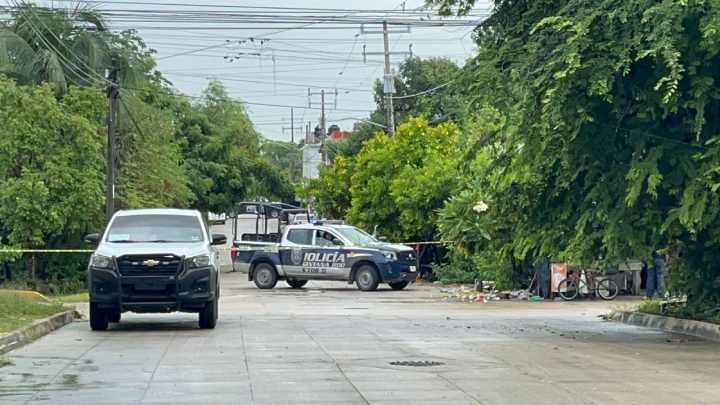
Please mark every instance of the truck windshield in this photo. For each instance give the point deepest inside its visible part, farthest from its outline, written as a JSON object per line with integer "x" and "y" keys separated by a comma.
{"x": 357, "y": 236}
{"x": 155, "y": 229}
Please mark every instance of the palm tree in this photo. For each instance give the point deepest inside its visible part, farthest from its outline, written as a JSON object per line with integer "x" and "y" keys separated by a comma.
{"x": 60, "y": 46}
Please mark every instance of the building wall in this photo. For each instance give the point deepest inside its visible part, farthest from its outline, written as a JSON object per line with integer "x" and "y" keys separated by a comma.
{"x": 312, "y": 159}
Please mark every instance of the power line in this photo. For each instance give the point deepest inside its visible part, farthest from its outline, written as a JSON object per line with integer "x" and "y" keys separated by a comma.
{"x": 422, "y": 93}
{"x": 268, "y": 82}
{"x": 300, "y": 107}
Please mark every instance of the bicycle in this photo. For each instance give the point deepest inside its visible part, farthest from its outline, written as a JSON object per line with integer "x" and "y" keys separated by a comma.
{"x": 570, "y": 288}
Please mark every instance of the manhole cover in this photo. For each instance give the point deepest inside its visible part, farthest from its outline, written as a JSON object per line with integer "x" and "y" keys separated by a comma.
{"x": 416, "y": 363}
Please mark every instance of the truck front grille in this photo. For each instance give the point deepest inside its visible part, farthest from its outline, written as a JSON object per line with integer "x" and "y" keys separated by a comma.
{"x": 137, "y": 265}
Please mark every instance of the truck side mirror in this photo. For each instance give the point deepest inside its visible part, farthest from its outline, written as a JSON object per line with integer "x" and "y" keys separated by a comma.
{"x": 218, "y": 239}
{"x": 92, "y": 238}
{"x": 338, "y": 242}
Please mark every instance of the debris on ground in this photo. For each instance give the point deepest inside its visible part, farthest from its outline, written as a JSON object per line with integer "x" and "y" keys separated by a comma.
{"x": 484, "y": 292}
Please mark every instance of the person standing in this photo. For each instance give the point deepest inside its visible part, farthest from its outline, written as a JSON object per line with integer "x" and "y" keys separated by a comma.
{"x": 654, "y": 283}
{"x": 543, "y": 276}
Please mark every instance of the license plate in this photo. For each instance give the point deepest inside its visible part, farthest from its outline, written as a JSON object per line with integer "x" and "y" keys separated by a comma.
{"x": 150, "y": 286}
{"x": 413, "y": 269}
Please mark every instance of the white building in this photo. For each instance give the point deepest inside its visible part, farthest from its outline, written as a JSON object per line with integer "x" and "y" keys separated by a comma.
{"x": 312, "y": 160}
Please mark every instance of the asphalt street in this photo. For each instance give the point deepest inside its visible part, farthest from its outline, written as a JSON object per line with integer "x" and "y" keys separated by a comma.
{"x": 332, "y": 344}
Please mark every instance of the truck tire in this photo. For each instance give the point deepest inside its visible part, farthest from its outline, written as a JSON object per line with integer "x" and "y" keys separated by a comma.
{"x": 297, "y": 283}
{"x": 366, "y": 278}
{"x": 98, "y": 318}
{"x": 114, "y": 316}
{"x": 265, "y": 276}
{"x": 207, "y": 319}
{"x": 399, "y": 285}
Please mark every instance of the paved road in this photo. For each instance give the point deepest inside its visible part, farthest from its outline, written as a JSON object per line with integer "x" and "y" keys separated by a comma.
{"x": 331, "y": 344}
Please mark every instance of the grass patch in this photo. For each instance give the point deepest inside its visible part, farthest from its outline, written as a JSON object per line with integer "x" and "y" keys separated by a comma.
{"x": 650, "y": 306}
{"x": 4, "y": 361}
{"x": 660, "y": 307}
{"x": 72, "y": 298}
{"x": 17, "y": 310}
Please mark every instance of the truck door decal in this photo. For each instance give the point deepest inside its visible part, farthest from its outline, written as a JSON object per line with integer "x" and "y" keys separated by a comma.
{"x": 296, "y": 257}
{"x": 330, "y": 264}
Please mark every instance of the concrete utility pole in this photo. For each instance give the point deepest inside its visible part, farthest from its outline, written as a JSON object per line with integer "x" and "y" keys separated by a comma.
{"x": 389, "y": 86}
{"x": 323, "y": 118}
{"x": 388, "y": 78}
{"x": 113, "y": 93}
{"x": 291, "y": 128}
{"x": 322, "y": 115}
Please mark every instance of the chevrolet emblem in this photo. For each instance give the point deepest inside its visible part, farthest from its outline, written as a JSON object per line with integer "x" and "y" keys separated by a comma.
{"x": 150, "y": 263}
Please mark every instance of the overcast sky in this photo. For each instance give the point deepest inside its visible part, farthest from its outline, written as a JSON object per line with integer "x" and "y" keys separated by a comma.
{"x": 303, "y": 58}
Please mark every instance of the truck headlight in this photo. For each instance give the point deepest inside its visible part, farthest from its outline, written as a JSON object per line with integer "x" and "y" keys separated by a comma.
{"x": 101, "y": 262}
{"x": 390, "y": 256}
{"x": 198, "y": 261}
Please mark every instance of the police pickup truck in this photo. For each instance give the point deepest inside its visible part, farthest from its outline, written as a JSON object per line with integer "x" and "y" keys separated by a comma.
{"x": 325, "y": 251}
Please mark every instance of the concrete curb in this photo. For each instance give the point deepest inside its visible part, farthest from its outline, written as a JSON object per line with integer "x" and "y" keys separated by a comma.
{"x": 704, "y": 330}
{"x": 39, "y": 328}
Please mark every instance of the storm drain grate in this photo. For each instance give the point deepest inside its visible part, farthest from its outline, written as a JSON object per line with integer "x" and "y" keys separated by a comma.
{"x": 423, "y": 363}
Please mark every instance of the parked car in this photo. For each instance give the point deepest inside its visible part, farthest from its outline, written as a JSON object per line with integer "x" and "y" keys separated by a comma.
{"x": 154, "y": 260}
{"x": 324, "y": 251}
{"x": 217, "y": 219}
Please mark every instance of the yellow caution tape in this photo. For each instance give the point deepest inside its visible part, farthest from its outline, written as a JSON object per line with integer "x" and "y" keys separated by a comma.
{"x": 28, "y": 294}
{"x": 235, "y": 249}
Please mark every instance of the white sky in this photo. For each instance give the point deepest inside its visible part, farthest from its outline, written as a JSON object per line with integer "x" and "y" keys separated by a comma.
{"x": 303, "y": 58}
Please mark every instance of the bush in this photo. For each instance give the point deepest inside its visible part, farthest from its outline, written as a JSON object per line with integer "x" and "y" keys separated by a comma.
{"x": 64, "y": 273}
{"x": 462, "y": 268}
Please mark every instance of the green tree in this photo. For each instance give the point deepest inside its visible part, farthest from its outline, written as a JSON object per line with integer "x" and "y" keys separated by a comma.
{"x": 286, "y": 156}
{"x": 416, "y": 76}
{"x": 41, "y": 44}
{"x": 610, "y": 149}
{"x": 331, "y": 191}
{"x": 401, "y": 181}
{"x": 50, "y": 168}
{"x": 220, "y": 149}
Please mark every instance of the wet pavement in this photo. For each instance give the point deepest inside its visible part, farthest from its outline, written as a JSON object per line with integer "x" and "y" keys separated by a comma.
{"x": 332, "y": 344}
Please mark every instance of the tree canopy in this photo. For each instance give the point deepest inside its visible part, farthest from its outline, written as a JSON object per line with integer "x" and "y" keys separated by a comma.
{"x": 609, "y": 147}
{"x": 171, "y": 151}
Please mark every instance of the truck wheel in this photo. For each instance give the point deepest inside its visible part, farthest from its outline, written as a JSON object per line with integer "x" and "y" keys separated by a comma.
{"x": 265, "y": 276}
{"x": 207, "y": 319}
{"x": 114, "y": 316}
{"x": 366, "y": 278}
{"x": 98, "y": 318}
{"x": 399, "y": 285}
{"x": 297, "y": 283}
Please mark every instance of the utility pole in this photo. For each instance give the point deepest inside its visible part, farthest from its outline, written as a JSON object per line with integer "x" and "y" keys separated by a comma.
{"x": 322, "y": 114}
{"x": 388, "y": 78}
{"x": 323, "y": 118}
{"x": 389, "y": 86}
{"x": 291, "y": 128}
{"x": 113, "y": 93}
